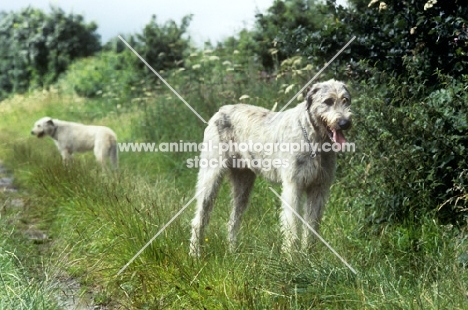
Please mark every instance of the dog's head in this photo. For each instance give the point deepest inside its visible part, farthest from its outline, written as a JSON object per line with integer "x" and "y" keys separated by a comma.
{"x": 328, "y": 105}
{"x": 44, "y": 126}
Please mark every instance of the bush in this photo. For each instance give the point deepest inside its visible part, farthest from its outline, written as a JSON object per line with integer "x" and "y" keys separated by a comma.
{"x": 433, "y": 33}
{"x": 415, "y": 150}
{"x": 164, "y": 46}
{"x": 409, "y": 66}
{"x": 273, "y": 29}
{"x": 37, "y": 47}
{"x": 107, "y": 75}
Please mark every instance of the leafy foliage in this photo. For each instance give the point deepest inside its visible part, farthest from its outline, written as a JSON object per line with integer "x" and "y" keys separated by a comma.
{"x": 415, "y": 149}
{"x": 435, "y": 36}
{"x": 107, "y": 75}
{"x": 411, "y": 58}
{"x": 164, "y": 46}
{"x": 273, "y": 28}
{"x": 118, "y": 75}
{"x": 37, "y": 47}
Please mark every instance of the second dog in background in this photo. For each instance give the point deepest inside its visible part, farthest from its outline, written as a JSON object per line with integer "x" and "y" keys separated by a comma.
{"x": 73, "y": 137}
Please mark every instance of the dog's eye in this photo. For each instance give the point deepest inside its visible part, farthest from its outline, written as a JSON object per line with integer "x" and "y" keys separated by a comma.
{"x": 329, "y": 101}
{"x": 346, "y": 101}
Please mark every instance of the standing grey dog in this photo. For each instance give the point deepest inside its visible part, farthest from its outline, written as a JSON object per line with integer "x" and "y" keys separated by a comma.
{"x": 308, "y": 171}
{"x": 72, "y": 137}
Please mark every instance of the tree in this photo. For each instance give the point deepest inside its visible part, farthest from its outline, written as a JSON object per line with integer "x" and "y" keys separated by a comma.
{"x": 272, "y": 29}
{"x": 164, "y": 46}
{"x": 37, "y": 47}
{"x": 432, "y": 33}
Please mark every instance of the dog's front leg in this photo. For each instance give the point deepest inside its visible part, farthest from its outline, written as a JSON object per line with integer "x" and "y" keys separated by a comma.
{"x": 242, "y": 181}
{"x": 65, "y": 153}
{"x": 313, "y": 211}
{"x": 291, "y": 197}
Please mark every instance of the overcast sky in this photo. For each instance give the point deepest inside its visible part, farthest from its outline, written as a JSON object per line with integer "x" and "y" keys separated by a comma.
{"x": 213, "y": 19}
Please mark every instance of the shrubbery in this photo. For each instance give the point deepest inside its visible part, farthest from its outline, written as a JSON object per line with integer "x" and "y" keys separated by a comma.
{"x": 35, "y": 47}
{"x": 107, "y": 75}
{"x": 408, "y": 65}
{"x": 416, "y": 148}
{"x": 433, "y": 33}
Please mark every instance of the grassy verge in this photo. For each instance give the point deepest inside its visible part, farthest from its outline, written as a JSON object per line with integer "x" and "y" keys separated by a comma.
{"x": 23, "y": 279}
{"x": 98, "y": 222}
{"x": 21, "y": 289}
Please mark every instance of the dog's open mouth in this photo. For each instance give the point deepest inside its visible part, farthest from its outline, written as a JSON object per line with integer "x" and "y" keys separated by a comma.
{"x": 40, "y": 135}
{"x": 336, "y": 136}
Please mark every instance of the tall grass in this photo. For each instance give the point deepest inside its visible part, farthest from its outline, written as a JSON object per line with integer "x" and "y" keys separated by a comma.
{"x": 18, "y": 290}
{"x": 103, "y": 220}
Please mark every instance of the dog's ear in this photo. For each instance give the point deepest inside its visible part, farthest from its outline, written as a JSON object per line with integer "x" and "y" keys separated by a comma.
{"x": 346, "y": 89}
{"x": 312, "y": 92}
{"x": 50, "y": 122}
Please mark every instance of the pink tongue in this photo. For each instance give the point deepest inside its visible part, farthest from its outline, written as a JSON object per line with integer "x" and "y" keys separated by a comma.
{"x": 338, "y": 137}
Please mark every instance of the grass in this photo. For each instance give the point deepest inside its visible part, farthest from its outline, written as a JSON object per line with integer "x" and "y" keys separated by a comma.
{"x": 99, "y": 221}
{"x": 21, "y": 288}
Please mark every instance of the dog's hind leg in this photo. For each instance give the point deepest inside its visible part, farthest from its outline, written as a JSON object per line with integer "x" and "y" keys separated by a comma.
{"x": 114, "y": 156}
{"x": 242, "y": 181}
{"x": 209, "y": 180}
{"x": 100, "y": 152}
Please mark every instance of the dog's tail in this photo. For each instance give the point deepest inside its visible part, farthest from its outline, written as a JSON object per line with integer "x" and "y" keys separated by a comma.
{"x": 114, "y": 155}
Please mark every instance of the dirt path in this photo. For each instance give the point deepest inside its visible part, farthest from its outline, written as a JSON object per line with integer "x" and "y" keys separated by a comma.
{"x": 6, "y": 182}
{"x": 68, "y": 290}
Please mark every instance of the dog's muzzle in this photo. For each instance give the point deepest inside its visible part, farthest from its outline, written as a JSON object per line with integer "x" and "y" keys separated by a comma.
{"x": 344, "y": 124}
{"x": 39, "y": 135}
{"x": 335, "y": 134}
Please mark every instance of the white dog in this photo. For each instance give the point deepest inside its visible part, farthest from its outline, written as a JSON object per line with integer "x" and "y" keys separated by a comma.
{"x": 74, "y": 137}
{"x": 318, "y": 121}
